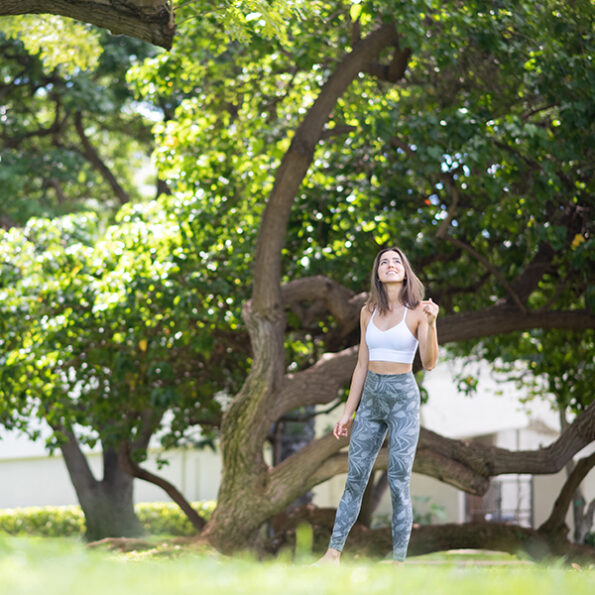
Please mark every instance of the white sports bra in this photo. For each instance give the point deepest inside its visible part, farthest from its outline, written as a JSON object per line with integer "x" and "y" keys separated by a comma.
{"x": 396, "y": 344}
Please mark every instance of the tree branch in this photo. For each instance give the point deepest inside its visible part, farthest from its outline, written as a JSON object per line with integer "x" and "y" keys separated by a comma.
{"x": 133, "y": 468}
{"x": 93, "y": 157}
{"x": 295, "y": 163}
{"x": 78, "y": 467}
{"x": 54, "y": 128}
{"x": 556, "y": 521}
{"x": 321, "y": 382}
{"x": 336, "y": 131}
{"x": 494, "y": 536}
{"x": 149, "y": 20}
{"x": 342, "y": 303}
{"x": 463, "y": 464}
{"x": 394, "y": 71}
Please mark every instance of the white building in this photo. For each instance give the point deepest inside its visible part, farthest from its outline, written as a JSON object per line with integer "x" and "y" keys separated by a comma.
{"x": 29, "y": 477}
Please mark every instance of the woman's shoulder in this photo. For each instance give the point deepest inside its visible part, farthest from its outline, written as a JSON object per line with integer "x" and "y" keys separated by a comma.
{"x": 366, "y": 312}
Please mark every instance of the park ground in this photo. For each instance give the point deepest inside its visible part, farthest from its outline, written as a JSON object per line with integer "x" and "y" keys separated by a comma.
{"x": 63, "y": 566}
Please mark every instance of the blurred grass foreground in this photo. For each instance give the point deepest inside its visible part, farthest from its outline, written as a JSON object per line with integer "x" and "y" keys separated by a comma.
{"x": 66, "y": 566}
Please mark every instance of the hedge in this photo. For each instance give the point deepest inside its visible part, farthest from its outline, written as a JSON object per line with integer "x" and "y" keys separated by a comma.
{"x": 68, "y": 521}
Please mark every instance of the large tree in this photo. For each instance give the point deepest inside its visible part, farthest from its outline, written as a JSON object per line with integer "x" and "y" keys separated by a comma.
{"x": 445, "y": 127}
{"x": 71, "y": 140}
{"x": 112, "y": 337}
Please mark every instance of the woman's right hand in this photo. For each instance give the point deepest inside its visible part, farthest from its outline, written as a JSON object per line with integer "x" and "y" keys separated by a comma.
{"x": 343, "y": 426}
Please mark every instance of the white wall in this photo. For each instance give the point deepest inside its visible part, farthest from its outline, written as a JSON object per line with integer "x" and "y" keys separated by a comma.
{"x": 41, "y": 481}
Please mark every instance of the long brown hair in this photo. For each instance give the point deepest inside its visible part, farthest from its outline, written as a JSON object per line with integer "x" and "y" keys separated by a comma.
{"x": 411, "y": 294}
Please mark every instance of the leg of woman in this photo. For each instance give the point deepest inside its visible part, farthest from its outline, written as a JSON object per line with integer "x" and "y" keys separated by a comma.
{"x": 403, "y": 433}
{"x": 366, "y": 439}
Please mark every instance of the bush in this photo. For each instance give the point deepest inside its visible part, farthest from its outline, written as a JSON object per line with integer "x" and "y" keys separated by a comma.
{"x": 46, "y": 521}
{"x": 68, "y": 521}
{"x": 167, "y": 517}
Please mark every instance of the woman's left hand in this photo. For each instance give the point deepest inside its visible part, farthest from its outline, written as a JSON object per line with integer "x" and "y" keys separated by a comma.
{"x": 430, "y": 309}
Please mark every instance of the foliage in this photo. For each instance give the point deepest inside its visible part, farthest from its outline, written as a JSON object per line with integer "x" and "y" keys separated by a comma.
{"x": 100, "y": 330}
{"x": 157, "y": 518}
{"x": 240, "y": 20}
{"x": 543, "y": 363}
{"x": 48, "y": 168}
{"x": 61, "y": 43}
{"x": 168, "y": 519}
{"x": 482, "y": 154}
{"x": 46, "y": 521}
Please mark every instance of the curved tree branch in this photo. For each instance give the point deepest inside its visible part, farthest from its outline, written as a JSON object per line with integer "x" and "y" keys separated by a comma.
{"x": 295, "y": 163}
{"x": 90, "y": 152}
{"x": 342, "y": 303}
{"x": 463, "y": 464}
{"x": 556, "y": 521}
{"x": 426, "y": 539}
{"x": 130, "y": 466}
{"x": 321, "y": 382}
{"x": 493, "y": 536}
{"x": 78, "y": 467}
{"x": 149, "y": 20}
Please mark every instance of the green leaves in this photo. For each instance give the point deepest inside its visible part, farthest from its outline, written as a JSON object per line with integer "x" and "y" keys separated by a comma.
{"x": 115, "y": 324}
{"x": 61, "y": 43}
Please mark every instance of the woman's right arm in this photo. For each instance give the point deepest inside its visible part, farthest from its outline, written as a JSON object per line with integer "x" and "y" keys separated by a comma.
{"x": 357, "y": 381}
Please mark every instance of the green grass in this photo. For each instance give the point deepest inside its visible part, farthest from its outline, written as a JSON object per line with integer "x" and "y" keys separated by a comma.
{"x": 65, "y": 567}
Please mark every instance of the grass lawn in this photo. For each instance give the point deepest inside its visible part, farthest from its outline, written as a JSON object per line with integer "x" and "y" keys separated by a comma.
{"x": 59, "y": 566}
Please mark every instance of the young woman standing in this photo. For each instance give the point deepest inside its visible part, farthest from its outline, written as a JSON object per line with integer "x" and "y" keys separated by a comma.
{"x": 394, "y": 322}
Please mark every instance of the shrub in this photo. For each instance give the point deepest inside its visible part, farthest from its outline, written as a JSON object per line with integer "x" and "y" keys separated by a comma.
{"x": 167, "y": 517}
{"x": 46, "y": 521}
{"x": 68, "y": 521}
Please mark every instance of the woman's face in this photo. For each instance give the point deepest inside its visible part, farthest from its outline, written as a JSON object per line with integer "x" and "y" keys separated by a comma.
{"x": 391, "y": 268}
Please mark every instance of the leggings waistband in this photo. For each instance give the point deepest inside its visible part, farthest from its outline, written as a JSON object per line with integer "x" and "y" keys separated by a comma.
{"x": 390, "y": 377}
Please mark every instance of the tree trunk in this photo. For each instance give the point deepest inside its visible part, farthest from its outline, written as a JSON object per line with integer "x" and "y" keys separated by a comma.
{"x": 149, "y": 20}
{"x": 249, "y": 493}
{"x": 108, "y": 505}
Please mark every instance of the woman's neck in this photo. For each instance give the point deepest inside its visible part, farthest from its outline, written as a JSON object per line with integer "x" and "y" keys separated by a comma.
{"x": 393, "y": 293}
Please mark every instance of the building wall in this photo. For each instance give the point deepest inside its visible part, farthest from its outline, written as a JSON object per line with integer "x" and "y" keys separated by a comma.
{"x": 44, "y": 481}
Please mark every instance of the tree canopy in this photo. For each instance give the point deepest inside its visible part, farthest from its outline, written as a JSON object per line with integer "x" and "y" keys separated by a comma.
{"x": 463, "y": 132}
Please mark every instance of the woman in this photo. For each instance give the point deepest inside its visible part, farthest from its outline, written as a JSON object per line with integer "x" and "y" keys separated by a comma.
{"x": 394, "y": 321}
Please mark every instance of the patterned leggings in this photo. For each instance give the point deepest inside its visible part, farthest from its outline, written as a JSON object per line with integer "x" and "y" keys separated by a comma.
{"x": 389, "y": 401}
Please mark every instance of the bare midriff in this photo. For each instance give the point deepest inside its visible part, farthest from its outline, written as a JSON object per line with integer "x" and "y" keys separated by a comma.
{"x": 389, "y": 368}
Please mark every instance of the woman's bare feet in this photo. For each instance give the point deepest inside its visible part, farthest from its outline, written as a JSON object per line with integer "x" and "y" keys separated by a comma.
{"x": 331, "y": 557}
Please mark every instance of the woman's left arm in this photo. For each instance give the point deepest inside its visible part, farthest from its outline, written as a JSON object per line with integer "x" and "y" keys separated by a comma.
{"x": 427, "y": 335}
